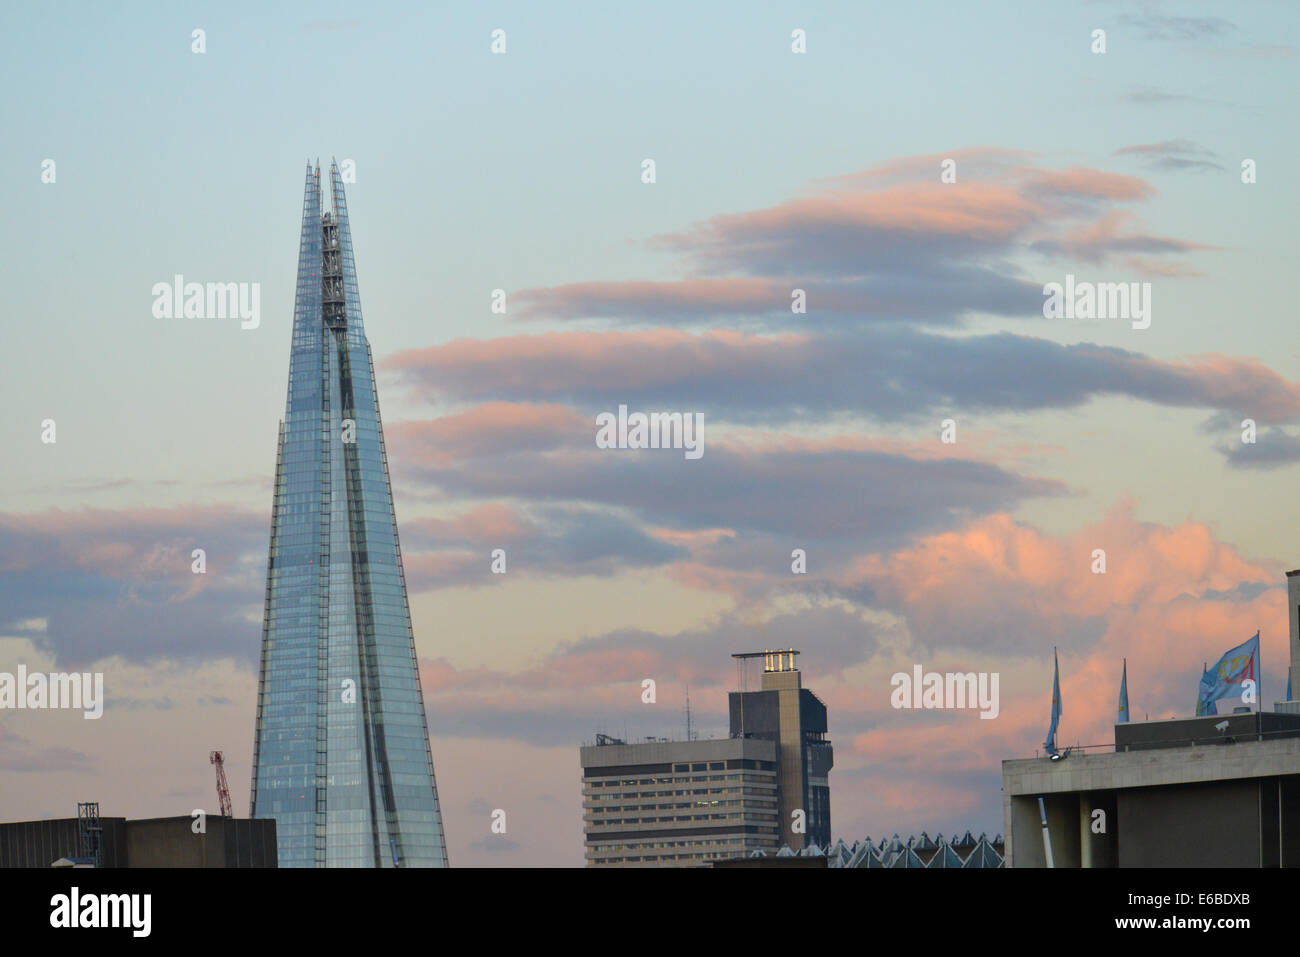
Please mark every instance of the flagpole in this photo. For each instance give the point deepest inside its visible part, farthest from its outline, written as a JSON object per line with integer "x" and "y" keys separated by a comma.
{"x": 1047, "y": 835}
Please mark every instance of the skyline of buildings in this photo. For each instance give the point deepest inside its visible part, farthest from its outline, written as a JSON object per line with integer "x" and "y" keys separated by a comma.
{"x": 679, "y": 803}
{"x": 341, "y": 759}
{"x": 910, "y": 468}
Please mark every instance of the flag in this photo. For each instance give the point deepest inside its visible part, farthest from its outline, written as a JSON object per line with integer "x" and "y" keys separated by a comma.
{"x": 1204, "y": 707}
{"x": 1225, "y": 678}
{"x": 1050, "y": 744}
{"x": 1288, "y": 685}
{"x": 1123, "y": 695}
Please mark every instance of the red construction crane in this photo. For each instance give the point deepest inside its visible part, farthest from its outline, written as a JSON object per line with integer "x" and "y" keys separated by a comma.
{"x": 223, "y": 789}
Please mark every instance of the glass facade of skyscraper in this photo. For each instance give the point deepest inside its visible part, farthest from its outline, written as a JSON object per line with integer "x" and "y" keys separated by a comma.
{"x": 341, "y": 756}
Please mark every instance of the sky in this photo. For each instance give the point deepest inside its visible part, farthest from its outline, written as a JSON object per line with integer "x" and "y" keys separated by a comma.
{"x": 129, "y": 158}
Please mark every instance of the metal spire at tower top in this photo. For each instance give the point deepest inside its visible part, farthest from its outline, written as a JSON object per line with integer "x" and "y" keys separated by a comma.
{"x": 352, "y": 295}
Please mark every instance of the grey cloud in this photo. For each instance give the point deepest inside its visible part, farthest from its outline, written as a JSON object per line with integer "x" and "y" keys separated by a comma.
{"x": 562, "y": 541}
{"x": 1273, "y": 448}
{"x": 874, "y": 498}
{"x": 1173, "y": 155}
{"x": 139, "y": 704}
{"x": 120, "y": 583}
{"x": 891, "y": 373}
{"x": 17, "y": 759}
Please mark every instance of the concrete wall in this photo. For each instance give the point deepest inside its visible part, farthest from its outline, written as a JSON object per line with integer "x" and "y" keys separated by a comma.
{"x": 228, "y": 842}
{"x": 1289, "y": 812}
{"x": 1194, "y": 825}
{"x": 1152, "y": 768}
{"x": 159, "y": 842}
{"x": 1215, "y": 731}
{"x": 250, "y": 842}
{"x": 1025, "y": 832}
{"x": 790, "y": 757}
{"x": 1099, "y": 834}
{"x": 1199, "y": 825}
{"x": 41, "y": 843}
{"x": 1222, "y": 805}
{"x": 169, "y": 842}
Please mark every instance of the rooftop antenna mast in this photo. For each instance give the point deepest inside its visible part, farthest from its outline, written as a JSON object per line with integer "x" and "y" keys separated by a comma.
{"x": 689, "y": 735}
{"x": 90, "y": 833}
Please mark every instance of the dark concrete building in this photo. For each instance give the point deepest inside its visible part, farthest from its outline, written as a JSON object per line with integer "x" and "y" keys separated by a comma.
{"x": 1212, "y": 791}
{"x": 1216, "y": 791}
{"x": 157, "y": 842}
{"x": 791, "y": 716}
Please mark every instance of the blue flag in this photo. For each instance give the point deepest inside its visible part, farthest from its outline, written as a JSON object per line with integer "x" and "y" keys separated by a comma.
{"x": 1288, "y": 685}
{"x": 1204, "y": 707}
{"x": 1224, "y": 680}
{"x": 1050, "y": 744}
{"x": 1123, "y": 695}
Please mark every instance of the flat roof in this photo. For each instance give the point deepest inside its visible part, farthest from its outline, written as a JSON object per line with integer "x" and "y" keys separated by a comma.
{"x": 1152, "y": 767}
{"x": 665, "y": 752}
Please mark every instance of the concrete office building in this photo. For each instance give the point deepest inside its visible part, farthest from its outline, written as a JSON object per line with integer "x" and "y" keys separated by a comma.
{"x": 681, "y": 803}
{"x": 678, "y": 803}
{"x": 1213, "y": 791}
{"x": 785, "y": 712}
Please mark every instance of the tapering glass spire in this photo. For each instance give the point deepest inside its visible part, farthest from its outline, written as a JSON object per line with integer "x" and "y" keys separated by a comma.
{"x": 341, "y": 757}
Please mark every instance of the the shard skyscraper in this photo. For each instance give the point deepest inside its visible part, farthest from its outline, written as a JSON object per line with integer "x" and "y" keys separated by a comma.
{"x": 341, "y": 758}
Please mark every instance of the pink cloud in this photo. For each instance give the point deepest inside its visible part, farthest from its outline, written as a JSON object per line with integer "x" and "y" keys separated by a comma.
{"x": 1166, "y": 602}
{"x": 550, "y": 363}
{"x": 986, "y": 162}
{"x": 772, "y": 375}
{"x": 485, "y": 428}
{"x": 1098, "y": 240}
{"x": 1091, "y": 184}
{"x": 987, "y": 212}
{"x": 1145, "y": 564}
{"x": 619, "y": 298}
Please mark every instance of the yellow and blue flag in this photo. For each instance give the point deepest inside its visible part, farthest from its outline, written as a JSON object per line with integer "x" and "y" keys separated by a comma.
{"x": 1225, "y": 678}
{"x": 1050, "y": 744}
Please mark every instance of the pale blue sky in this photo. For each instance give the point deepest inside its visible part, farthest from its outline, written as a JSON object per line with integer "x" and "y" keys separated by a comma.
{"x": 478, "y": 171}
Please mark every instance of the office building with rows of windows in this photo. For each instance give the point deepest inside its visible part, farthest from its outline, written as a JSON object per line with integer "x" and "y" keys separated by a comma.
{"x": 678, "y": 803}
{"x": 683, "y": 803}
